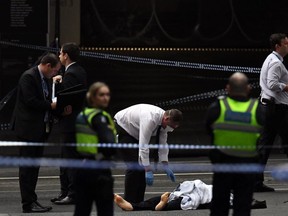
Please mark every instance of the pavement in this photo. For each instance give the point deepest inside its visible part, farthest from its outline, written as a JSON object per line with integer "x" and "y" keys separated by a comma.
{"x": 48, "y": 187}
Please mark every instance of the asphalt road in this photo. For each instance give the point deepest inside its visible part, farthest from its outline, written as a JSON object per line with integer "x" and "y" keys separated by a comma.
{"x": 48, "y": 187}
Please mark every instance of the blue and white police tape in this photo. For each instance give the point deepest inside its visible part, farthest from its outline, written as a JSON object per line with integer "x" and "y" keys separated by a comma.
{"x": 130, "y": 145}
{"x": 201, "y": 96}
{"x": 152, "y": 61}
{"x": 94, "y": 164}
{"x": 280, "y": 172}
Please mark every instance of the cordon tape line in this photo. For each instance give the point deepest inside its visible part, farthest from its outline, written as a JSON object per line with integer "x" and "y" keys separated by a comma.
{"x": 93, "y": 164}
{"x": 126, "y": 145}
{"x": 152, "y": 61}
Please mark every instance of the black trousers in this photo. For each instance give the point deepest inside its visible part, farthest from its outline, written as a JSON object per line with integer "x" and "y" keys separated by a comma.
{"x": 28, "y": 176}
{"x": 151, "y": 203}
{"x": 94, "y": 185}
{"x": 276, "y": 122}
{"x": 67, "y": 175}
{"x": 241, "y": 184}
{"x": 135, "y": 182}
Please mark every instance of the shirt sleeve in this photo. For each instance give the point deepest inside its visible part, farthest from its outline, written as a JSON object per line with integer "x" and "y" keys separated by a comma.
{"x": 69, "y": 80}
{"x": 101, "y": 125}
{"x": 146, "y": 127}
{"x": 164, "y": 150}
{"x": 273, "y": 77}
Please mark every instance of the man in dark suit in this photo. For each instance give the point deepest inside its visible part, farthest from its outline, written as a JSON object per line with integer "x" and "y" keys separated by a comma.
{"x": 32, "y": 124}
{"x": 74, "y": 75}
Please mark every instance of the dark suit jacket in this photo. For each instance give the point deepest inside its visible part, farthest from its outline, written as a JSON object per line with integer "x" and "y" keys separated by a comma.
{"x": 31, "y": 106}
{"x": 74, "y": 75}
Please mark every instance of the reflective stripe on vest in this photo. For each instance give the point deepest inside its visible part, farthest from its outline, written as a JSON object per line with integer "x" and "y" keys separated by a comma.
{"x": 85, "y": 134}
{"x": 236, "y": 130}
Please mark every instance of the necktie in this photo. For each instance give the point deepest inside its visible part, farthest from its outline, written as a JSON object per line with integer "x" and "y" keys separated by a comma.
{"x": 46, "y": 94}
{"x": 45, "y": 88}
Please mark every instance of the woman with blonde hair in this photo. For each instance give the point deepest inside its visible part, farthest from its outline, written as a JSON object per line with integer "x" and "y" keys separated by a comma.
{"x": 93, "y": 126}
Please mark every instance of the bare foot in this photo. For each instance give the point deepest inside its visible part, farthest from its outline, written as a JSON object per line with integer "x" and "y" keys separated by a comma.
{"x": 122, "y": 203}
{"x": 163, "y": 201}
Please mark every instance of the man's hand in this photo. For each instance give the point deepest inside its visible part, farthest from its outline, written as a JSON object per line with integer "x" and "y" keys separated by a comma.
{"x": 169, "y": 173}
{"x": 149, "y": 178}
{"x": 53, "y": 105}
{"x": 57, "y": 79}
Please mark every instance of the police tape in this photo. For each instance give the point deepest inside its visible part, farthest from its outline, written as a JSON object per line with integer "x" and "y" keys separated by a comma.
{"x": 198, "y": 97}
{"x": 94, "y": 164}
{"x": 141, "y": 60}
{"x": 133, "y": 145}
{"x": 278, "y": 172}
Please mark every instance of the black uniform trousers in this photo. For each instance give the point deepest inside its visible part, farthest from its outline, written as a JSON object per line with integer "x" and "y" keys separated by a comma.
{"x": 94, "y": 185}
{"x": 28, "y": 176}
{"x": 241, "y": 184}
{"x": 135, "y": 182}
{"x": 276, "y": 122}
{"x": 67, "y": 175}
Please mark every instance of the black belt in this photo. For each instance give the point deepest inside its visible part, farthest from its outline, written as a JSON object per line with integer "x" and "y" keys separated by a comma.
{"x": 267, "y": 101}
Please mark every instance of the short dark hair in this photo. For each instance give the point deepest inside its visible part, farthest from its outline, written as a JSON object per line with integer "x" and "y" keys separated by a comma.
{"x": 175, "y": 115}
{"x": 73, "y": 51}
{"x": 50, "y": 58}
{"x": 276, "y": 39}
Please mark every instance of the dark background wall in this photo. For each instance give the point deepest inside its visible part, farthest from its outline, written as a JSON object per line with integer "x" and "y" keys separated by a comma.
{"x": 182, "y": 23}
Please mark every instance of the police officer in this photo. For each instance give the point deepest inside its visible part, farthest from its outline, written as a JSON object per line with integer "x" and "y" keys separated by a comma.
{"x": 94, "y": 125}
{"x": 234, "y": 121}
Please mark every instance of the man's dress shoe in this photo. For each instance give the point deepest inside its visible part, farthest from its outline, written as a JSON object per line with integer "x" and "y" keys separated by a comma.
{"x": 59, "y": 197}
{"x": 256, "y": 204}
{"x": 65, "y": 201}
{"x": 36, "y": 207}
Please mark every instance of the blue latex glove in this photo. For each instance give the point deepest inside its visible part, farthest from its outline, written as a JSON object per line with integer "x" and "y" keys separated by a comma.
{"x": 149, "y": 178}
{"x": 169, "y": 173}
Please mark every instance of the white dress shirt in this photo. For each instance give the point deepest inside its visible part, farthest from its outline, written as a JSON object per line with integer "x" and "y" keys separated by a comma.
{"x": 142, "y": 121}
{"x": 274, "y": 78}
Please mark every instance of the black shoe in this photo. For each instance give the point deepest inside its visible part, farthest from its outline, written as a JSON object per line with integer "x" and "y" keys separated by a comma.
{"x": 258, "y": 204}
{"x": 263, "y": 188}
{"x": 65, "y": 201}
{"x": 47, "y": 207}
{"x": 59, "y": 197}
{"x": 36, "y": 207}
